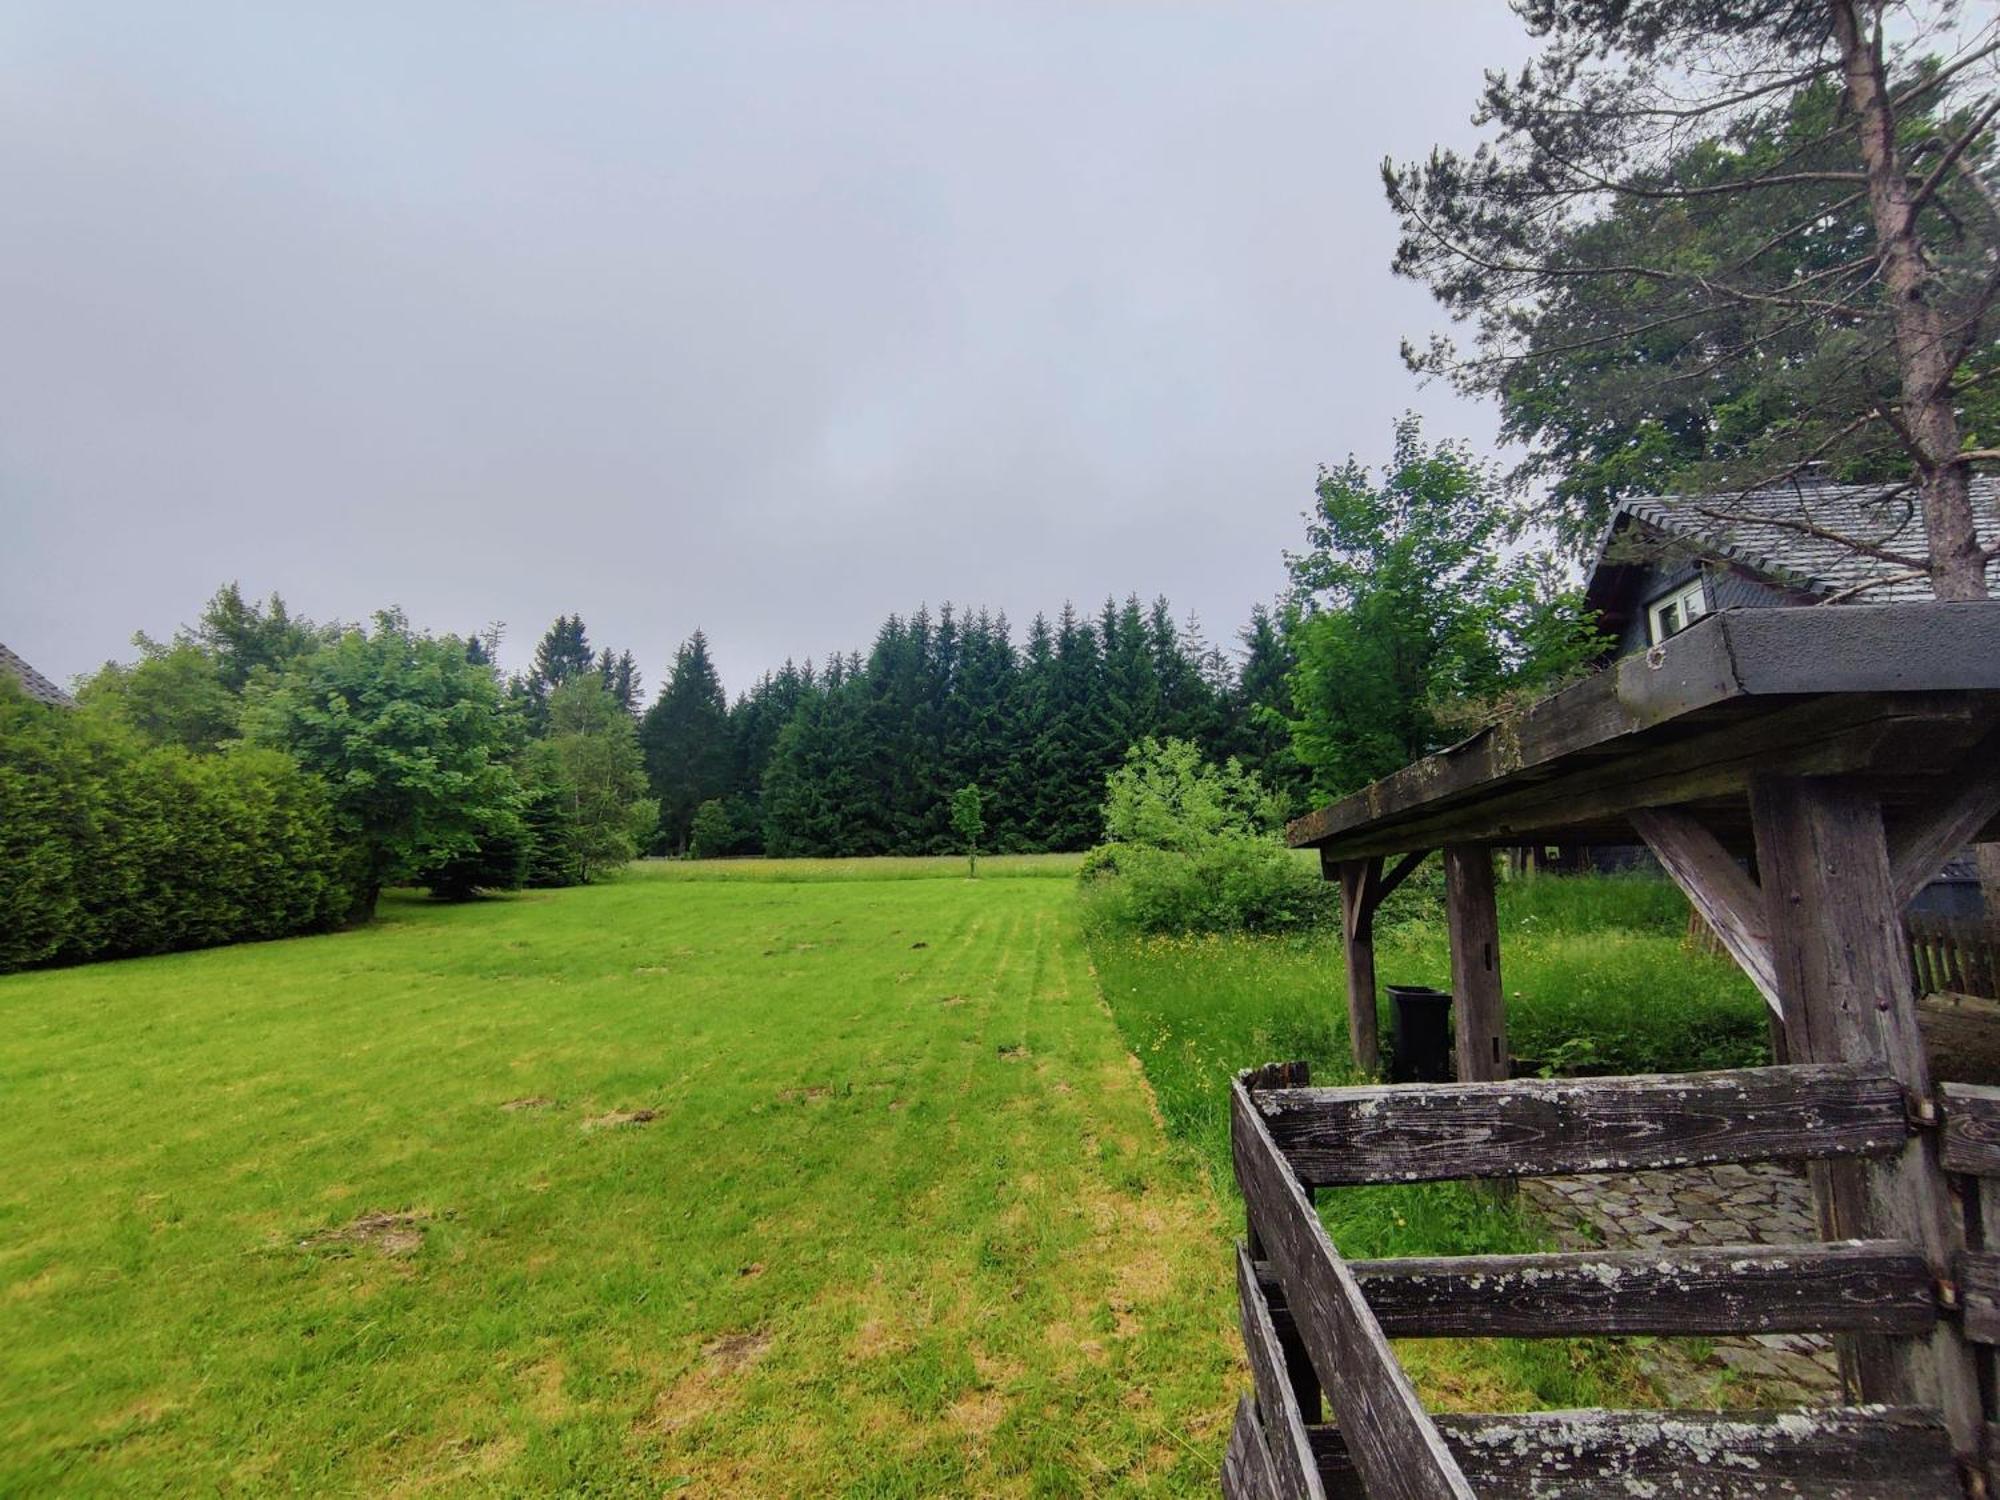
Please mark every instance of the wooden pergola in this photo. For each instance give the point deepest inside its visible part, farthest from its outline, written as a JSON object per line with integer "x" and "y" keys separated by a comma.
{"x": 1756, "y": 734}
{"x": 1800, "y": 774}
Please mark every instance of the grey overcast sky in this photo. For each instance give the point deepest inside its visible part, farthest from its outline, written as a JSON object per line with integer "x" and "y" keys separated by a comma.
{"x": 764, "y": 319}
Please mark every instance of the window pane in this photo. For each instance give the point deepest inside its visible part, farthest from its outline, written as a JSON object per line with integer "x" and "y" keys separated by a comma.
{"x": 1669, "y": 620}
{"x": 1693, "y": 605}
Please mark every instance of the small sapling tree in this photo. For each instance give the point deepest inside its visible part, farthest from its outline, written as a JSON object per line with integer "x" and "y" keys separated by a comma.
{"x": 712, "y": 832}
{"x": 968, "y": 820}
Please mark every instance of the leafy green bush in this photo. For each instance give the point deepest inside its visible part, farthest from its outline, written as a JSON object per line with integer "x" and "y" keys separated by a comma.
{"x": 109, "y": 847}
{"x": 712, "y": 832}
{"x": 1227, "y": 885}
{"x": 1194, "y": 848}
{"x": 1166, "y": 796}
{"x": 499, "y": 861}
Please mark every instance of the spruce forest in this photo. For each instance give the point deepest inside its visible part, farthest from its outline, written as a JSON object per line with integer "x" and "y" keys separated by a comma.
{"x": 860, "y": 754}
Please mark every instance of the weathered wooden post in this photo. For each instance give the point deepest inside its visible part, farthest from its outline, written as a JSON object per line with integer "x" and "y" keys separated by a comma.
{"x": 1842, "y": 974}
{"x": 1479, "y": 1006}
{"x": 1358, "y": 881}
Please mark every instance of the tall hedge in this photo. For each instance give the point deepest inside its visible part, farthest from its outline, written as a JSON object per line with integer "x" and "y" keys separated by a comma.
{"x": 110, "y": 847}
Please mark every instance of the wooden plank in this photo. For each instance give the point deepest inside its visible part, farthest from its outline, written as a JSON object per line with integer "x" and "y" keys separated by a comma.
{"x": 1852, "y": 1453}
{"x": 1426, "y": 1132}
{"x": 1726, "y": 897}
{"x": 1881, "y": 1287}
{"x": 1977, "y": 1273}
{"x": 1246, "y": 1464}
{"x": 1394, "y": 1444}
{"x": 1305, "y": 1384}
{"x": 1588, "y": 797}
{"x": 1357, "y": 924}
{"x": 1970, "y": 1141}
{"x": 1923, "y": 840}
{"x": 1291, "y": 1456}
{"x": 1712, "y": 1291}
{"x": 1843, "y": 972}
{"x": 1719, "y": 664}
{"x": 1479, "y": 1008}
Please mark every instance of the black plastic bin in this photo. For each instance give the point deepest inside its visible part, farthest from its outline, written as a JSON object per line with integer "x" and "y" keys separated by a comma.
{"x": 1420, "y": 1034}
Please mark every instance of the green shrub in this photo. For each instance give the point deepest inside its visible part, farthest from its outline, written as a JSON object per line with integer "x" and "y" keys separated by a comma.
{"x": 1192, "y": 848}
{"x": 498, "y": 862}
{"x": 110, "y": 848}
{"x": 1228, "y": 885}
{"x": 713, "y": 832}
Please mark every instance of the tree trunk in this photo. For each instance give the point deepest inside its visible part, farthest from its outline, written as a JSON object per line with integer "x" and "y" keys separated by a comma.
{"x": 1929, "y": 424}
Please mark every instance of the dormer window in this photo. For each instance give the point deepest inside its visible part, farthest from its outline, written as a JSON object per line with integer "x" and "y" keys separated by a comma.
{"x": 1672, "y": 613}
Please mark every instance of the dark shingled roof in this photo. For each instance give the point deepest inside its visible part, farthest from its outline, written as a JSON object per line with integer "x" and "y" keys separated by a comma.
{"x": 1760, "y": 530}
{"x": 33, "y": 683}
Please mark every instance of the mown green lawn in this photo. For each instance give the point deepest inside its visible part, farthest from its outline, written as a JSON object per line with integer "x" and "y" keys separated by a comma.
{"x": 358, "y": 1214}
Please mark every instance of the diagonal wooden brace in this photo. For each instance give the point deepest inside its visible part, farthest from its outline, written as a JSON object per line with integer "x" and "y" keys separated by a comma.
{"x": 1728, "y": 900}
{"x": 1923, "y": 840}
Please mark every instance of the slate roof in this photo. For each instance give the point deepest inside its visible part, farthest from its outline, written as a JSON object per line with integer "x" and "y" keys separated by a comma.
{"x": 1750, "y": 529}
{"x": 34, "y": 683}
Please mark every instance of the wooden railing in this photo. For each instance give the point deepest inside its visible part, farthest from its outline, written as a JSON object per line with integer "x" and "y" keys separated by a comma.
{"x": 1955, "y": 955}
{"x": 1316, "y": 1325}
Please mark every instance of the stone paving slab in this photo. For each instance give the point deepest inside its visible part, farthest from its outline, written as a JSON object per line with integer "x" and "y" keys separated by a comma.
{"x": 1762, "y": 1203}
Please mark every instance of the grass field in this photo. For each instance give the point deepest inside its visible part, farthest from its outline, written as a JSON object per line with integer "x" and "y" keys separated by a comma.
{"x": 1584, "y": 961}
{"x": 383, "y": 1212}
{"x": 752, "y": 1178}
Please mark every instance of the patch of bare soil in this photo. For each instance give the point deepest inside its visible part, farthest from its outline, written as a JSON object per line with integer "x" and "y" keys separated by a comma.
{"x": 618, "y": 1117}
{"x": 388, "y": 1233}
{"x": 805, "y": 1095}
{"x": 736, "y": 1351}
{"x": 531, "y": 1101}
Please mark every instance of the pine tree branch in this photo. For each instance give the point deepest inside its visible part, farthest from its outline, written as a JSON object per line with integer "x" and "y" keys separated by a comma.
{"x": 1953, "y": 153}
{"x": 1807, "y": 527}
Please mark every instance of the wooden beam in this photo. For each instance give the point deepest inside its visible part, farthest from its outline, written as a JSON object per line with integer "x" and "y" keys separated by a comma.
{"x": 1363, "y": 889}
{"x": 1305, "y": 1384}
{"x": 1869, "y": 1453}
{"x": 1734, "y": 665}
{"x": 1843, "y": 972}
{"x": 1971, "y": 1138}
{"x": 1922, "y": 841}
{"x": 1393, "y": 1442}
{"x": 1707, "y": 1292}
{"x": 1358, "y": 878}
{"x": 1400, "y": 872}
{"x": 1727, "y": 899}
{"x": 1977, "y": 1273}
{"x": 1291, "y": 1456}
{"x": 1877, "y": 1286}
{"x": 1428, "y": 1132}
{"x": 1246, "y": 1464}
{"x": 1479, "y": 1008}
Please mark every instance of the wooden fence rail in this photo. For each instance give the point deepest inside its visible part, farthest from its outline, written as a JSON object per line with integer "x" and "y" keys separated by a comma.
{"x": 1549, "y": 1128}
{"x": 1860, "y": 1286}
{"x": 1955, "y": 955}
{"x": 1314, "y": 1323}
